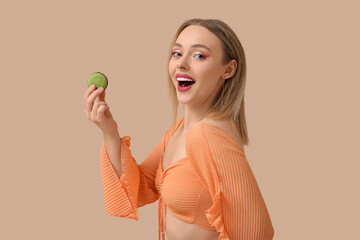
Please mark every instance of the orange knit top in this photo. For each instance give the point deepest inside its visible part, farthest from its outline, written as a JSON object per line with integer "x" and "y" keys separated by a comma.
{"x": 212, "y": 187}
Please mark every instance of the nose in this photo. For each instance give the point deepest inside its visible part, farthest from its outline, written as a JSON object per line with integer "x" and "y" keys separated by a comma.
{"x": 182, "y": 63}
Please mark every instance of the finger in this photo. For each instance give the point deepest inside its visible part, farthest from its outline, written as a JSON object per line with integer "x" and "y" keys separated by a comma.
{"x": 107, "y": 112}
{"x": 103, "y": 111}
{"x": 87, "y": 94}
{"x": 90, "y": 100}
{"x": 89, "y": 91}
{"x": 96, "y": 93}
{"x": 102, "y": 96}
{"x": 95, "y": 108}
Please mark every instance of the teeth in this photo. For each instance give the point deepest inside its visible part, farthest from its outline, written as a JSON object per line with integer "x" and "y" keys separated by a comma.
{"x": 183, "y": 79}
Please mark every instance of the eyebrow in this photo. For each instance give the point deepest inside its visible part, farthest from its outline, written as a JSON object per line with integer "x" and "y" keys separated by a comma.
{"x": 194, "y": 46}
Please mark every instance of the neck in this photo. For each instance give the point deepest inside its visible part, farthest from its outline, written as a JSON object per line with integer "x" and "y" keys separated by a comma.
{"x": 192, "y": 116}
{"x": 195, "y": 112}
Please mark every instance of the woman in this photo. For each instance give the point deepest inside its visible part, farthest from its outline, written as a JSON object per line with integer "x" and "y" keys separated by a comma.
{"x": 198, "y": 171}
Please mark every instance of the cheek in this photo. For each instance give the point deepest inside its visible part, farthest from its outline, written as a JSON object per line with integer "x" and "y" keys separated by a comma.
{"x": 171, "y": 67}
{"x": 209, "y": 78}
{"x": 208, "y": 73}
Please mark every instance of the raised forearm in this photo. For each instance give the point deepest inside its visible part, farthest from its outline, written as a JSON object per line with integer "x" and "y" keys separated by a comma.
{"x": 112, "y": 145}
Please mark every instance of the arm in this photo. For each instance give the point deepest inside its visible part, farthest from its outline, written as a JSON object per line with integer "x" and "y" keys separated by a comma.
{"x": 238, "y": 210}
{"x": 136, "y": 186}
{"x": 112, "y": 145}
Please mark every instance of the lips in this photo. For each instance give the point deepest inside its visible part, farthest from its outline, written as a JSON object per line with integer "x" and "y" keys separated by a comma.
{"x": 184, "y": 76}
{"x": 184, "y": 82}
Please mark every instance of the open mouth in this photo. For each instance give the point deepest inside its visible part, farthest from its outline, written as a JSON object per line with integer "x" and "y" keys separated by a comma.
{"x": 184, "y": 82}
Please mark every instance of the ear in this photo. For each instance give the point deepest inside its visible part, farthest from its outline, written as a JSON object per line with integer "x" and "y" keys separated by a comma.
{"x": 230, "y": 69}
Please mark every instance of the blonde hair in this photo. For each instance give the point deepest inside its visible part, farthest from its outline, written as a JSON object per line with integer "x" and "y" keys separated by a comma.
{"x": 229, "y": 101}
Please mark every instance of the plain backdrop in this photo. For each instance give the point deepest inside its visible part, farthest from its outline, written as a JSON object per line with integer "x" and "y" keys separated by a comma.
{"x": 302, "y": 110}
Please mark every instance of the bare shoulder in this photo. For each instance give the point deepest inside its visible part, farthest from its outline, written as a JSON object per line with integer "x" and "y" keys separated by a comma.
{"x": 228, "y": 126}
{"x": 225, "y": 124}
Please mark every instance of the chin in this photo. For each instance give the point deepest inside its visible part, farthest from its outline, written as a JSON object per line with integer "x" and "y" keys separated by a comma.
{"x": 181, "y": 99}
{"x": 184, "y": 100}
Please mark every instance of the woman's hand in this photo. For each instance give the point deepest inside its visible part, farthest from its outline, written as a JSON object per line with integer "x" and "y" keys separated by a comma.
{"x": 98, "y": 111}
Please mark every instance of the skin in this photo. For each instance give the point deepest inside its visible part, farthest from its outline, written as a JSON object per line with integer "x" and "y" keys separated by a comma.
{"x": 206, "y": 68}
{"x": 98, "y": 111}
{"x": 209, "y": 73}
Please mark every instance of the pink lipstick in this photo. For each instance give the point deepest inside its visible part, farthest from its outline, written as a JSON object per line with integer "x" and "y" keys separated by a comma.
{"x": 184, "y": 76}
{"x": 184, "y": 88}
{"x": 185, "y": 82}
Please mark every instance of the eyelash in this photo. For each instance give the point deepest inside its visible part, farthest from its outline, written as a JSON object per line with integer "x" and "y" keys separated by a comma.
{"x": 204, "y": 56}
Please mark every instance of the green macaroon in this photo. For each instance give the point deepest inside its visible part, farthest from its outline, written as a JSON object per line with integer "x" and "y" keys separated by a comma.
{"x": 99, "y": 79}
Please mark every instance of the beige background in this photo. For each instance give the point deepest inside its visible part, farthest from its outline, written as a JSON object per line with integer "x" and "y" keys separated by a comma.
{"x": 302, "y": 106}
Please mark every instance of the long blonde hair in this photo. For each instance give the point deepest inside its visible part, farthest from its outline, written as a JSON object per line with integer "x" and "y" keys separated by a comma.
{"x": 229, "y": 101}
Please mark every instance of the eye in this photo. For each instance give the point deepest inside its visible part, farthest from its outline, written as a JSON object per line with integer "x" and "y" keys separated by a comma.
{"x": 175, "y": 54}
{"x": 200, "y": 56}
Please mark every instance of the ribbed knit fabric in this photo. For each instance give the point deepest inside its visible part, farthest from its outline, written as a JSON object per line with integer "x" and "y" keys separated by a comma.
{"x": 214, "y": 185}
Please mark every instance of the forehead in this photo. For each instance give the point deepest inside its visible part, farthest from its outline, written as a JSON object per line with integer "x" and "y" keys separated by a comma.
{"x": 195, "y": 34}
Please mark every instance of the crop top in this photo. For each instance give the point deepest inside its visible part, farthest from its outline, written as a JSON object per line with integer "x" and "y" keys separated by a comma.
{"x": 212, "y": 187}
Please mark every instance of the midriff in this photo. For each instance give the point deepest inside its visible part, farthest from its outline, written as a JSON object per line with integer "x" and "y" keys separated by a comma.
{"x": 177, "y": 229}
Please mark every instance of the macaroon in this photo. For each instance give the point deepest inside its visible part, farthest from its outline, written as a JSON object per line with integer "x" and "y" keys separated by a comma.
{"x": 99, "y": 79}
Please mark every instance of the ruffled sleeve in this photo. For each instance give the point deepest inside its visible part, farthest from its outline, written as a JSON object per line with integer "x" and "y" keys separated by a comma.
{"x": 136, "y": 186}
{"x": 238, "y": 210}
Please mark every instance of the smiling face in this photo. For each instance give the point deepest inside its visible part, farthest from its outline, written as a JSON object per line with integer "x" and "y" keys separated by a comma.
{"x": 198, "y": 53}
